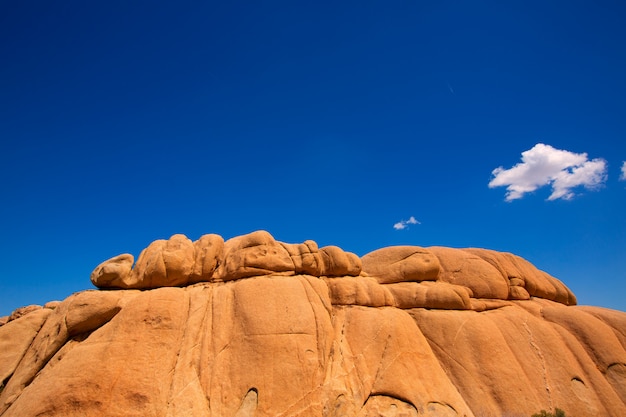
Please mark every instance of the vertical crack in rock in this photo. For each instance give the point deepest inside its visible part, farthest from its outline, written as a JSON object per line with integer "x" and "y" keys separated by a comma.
{"x": 337, "y": 381}
{"x": 542, "y": 360}
{"x": 383, "y": 354}
{"x": 320, "y": 349}
{"x": 300, "y": 405}
{"x": 174, "y": 390}
{"x": 458, "y": 332}
{"x": 205, "y": 348}
{"x": 50, "y": 338}
{"x": 17, "y": 338}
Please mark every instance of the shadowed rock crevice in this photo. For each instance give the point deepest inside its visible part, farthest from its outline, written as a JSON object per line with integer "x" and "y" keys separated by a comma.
{"x": 387, "y": 406}
{"x": 248, "y": 404}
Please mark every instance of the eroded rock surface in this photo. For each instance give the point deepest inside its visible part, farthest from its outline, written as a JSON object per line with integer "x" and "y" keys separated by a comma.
{"x": 257, "y": 327}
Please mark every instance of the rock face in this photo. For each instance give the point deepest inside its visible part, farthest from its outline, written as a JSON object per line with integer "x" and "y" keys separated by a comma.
{"x": 256, "y": 327}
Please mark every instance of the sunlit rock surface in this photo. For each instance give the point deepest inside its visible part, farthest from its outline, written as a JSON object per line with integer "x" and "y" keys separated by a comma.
{"x": 257, "y": 327}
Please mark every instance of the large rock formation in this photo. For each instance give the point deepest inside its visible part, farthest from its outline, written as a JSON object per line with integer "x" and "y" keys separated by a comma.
{"x": 256, "y": 327}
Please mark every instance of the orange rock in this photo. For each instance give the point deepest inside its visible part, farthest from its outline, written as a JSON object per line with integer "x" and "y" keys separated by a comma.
{"x": 275, "y": 329}
{"x": 522, "y": 273}
{"x": 164, "y": 263}
{"x": 440, "y": 295}
{"x": 52, "y": 304}
{"x": 401, "y": 263}
{"x": 306, "y": 258}
{"x": 362, "y": 291}
{"x": 252, "y": 255}
{"x": 464, "y": 268}
{"x": 22, "y": 311}
{"x": 114, "y": 272}
{"x": 518, "y": 293}
{"x": 178, "y": 261}
{"x": 15, "y": 338}
{"x": 337, "y": 263}
{"x": 208, "y": 252}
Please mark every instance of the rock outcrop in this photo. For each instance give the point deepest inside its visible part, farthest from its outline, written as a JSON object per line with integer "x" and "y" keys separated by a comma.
{"x": 257, "y": 327}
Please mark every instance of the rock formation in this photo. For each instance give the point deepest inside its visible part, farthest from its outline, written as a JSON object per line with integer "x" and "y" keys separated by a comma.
{"x": 256, "y": 327}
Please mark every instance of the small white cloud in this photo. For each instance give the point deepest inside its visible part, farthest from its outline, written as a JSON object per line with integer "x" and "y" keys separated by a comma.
{"x": 399, "y": 226}
{"x": 544, "y": 165}
{"x": 403, "y": 224}
{"x": 623, "y": 176}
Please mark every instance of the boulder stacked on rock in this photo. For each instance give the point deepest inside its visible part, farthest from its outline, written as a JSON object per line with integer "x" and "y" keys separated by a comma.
{"x": 178, "y": 261}
{"x": 398, "y": 276}
{"x": 257, "y": 327}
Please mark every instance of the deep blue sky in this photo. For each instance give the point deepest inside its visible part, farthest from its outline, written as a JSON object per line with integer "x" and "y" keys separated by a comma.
{"x": 122, "y": 122}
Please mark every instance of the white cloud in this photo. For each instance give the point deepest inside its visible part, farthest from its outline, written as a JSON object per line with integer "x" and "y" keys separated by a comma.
{"x": 403, "y": 224}
{"x": 544, "y": 165}
{"x": 623, "y": 176}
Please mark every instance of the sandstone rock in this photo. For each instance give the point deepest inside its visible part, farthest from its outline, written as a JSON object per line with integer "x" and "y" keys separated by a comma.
{"x": 52, "y": 304}
{"x": 383, "y": 405}
{"x": 464, "y": 268}
{"x": 306, "y": 258}
{"x": 522, "y": 273}
{"x": 381, "y": 351}
{"x": 401, "y": 263}
{"x": 114, "y": 272}
{"x": 178, "y": 261}
{"x": 362, "y": 291}
{"x": 164, "y": 263}
{"x": 337, "y": 263}
{"x": 208, "y": 255}
{"x": 252, "y": 255}
{"x": 275, "y": 329}
{"x": 15, "y": 338}
{"x": 440, "y": 295}
{"x": 541, "y": 362}
{"x": 89, "y": 310}
{"x": 518, "y": 293}
{"x": 22, "y": 311}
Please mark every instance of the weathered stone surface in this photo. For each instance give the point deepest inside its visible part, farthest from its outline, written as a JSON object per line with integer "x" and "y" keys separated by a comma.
{"x": 114, "y": 272}
{"x": 522, "y": 273}
{"x": 89, "y": 310}
{"x": 52, "y": 304}
{"x": 164, "y": 263}
{"x": 361, "y": 291}
{"x": 440, "y": 295}
{"x": 178, "y": 261}
{"x": 383, "y": 405}
{"x": 305, "y": 257}
{"x": 401, "y": 263}
{"x": 464, "y": 268}
{"x": 22, "y": 311}
{"x": 520, "y": 360}
{"x": 208, "y": 255}
{"x": 252, "y": 255}
{"x": 256, "y": 327}
{"x": 337, "y": 263}
{"x": 15, "y": 337}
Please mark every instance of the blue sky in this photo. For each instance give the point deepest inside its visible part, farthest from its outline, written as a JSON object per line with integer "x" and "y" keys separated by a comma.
{"x": 122, "y": 122}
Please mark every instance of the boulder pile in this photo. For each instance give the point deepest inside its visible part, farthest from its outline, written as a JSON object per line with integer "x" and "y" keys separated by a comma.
{"x": 255, "y": 327}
